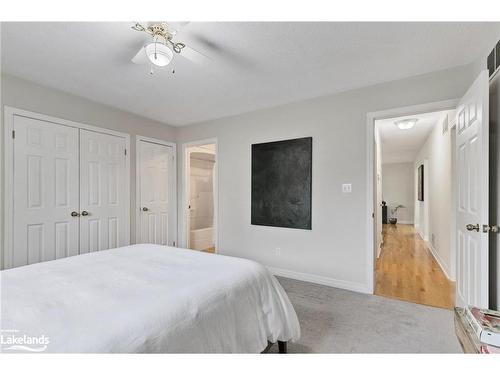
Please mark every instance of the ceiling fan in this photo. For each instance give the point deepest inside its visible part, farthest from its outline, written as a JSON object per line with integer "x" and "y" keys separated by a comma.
{"x": 160, "y": 49}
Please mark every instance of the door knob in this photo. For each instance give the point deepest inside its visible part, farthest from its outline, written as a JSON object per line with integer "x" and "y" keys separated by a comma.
{"x": 75, "y": 214}
{"x": 85, "y": 213}
{"x": 471, "y": 227}
{"x": 145, "y": 209}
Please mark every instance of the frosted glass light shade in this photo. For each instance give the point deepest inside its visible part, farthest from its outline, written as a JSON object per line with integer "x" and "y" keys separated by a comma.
{"x": 406, "y": 123}
{"x": 158, "y": 53}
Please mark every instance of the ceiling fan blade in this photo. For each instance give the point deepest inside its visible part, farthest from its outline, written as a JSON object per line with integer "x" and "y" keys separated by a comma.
{"x": 195, "y": 56}
{"x": 140, "y": 57}
{"x": 176, "y": 26}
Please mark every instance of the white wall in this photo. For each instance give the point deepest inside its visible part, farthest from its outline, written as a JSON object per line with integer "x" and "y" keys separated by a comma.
{"x": 22, "y": 94}
{"x": 398, "y": 188}
{"x": 335, "y": 251}
{"x": 436, "y": 155}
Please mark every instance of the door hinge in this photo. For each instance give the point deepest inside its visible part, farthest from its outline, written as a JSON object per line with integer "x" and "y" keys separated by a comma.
{"x": 491, "y": 228}
{"x": 13, "y": 134}
{"x": 174, "y": 243}
{"x": 125, "y": 152}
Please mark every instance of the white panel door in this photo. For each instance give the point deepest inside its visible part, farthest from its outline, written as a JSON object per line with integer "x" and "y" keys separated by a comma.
{"x": 103, "y": 182}
{"x": 155, "y": 166}
{"x": 472, "y": 202}
{"x": 45, "y": 191}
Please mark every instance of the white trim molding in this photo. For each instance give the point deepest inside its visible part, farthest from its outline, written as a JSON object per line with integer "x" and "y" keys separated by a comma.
{"x": 322, "y": 280}
{"x": 9, "y": 113}
{"x": 439, "y": 261}
{"x": 173, "y": 184}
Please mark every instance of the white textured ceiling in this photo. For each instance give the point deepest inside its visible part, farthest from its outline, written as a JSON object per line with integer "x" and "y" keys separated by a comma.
{"x": 255, "y": 65}
{"x": 402, "y": 146}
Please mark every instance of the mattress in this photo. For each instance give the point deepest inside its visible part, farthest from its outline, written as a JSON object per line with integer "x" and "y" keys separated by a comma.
{"x": 144, "y": 299}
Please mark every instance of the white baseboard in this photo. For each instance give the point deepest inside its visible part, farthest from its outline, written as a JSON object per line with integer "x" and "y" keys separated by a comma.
{"x": 439, "y": 261}
{"x": 322, "y": 280}
{"x": 408, "y": 222}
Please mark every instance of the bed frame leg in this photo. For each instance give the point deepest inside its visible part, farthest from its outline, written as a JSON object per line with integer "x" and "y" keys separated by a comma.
{"x": 282, "y": 347}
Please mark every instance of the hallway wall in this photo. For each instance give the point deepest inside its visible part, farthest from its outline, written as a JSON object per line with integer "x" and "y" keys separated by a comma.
{"x": 438, "y": 194}
{"x": 398, "y": 188}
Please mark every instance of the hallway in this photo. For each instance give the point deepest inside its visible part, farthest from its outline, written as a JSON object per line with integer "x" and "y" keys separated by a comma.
{"x": 407, "y": 270}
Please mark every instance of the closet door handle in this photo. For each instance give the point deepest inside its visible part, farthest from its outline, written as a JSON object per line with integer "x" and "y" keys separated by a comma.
{"x": 472, "y": 227}
{"x": 85, "y": 213}
{"x": 75, "y": 214}
{"x": 145, "y": 209}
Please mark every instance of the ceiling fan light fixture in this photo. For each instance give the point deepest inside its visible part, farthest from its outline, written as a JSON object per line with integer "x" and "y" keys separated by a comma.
{"x": 406, "y": 124}
{"x": 158, "y": 53}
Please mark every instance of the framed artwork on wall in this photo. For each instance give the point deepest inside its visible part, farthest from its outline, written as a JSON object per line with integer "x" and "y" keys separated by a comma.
{"x": 281, "y": 183}
{"x": 420, "y": 187}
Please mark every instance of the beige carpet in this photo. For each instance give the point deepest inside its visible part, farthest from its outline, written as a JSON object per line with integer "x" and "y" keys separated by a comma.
{"x": 338, "y": 321}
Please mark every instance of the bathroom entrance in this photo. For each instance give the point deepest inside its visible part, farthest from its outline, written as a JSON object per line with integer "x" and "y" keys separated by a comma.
{"x": 201, "y": 196}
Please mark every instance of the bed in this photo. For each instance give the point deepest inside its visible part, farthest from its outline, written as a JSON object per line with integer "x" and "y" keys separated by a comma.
{"x": 147, "y": 299}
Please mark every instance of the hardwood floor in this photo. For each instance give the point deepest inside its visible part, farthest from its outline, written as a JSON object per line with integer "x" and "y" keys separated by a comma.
{"x": 407, "y": 270}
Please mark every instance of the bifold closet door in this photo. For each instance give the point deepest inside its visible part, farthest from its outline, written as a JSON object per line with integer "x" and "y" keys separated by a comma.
{"x": 155, "y": 165}
{"x": 45, "y": 191}
{"x": 102, "y": 191}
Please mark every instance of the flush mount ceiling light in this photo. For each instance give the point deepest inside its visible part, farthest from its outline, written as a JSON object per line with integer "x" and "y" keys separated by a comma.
{"x": 406, "y": 124}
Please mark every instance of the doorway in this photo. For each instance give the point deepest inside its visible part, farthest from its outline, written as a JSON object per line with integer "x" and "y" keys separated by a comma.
{"x": 414, "y": 250}
{"x": 470, "y": 190}
{"x": 200, "y": 196}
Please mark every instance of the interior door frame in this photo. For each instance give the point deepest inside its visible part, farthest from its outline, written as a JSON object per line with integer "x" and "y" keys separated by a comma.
{"x": 183, "y": 232}
{"x": 371, "y": 117}
{"x": 9, "y": 113}
{"x": 173, "y": 183}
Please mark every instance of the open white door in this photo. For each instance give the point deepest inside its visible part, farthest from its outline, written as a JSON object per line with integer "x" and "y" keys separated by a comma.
{"x": 472, "y": 205}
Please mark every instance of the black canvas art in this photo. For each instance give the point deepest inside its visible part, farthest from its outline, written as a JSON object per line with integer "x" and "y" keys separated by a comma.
{"x": 281, "y": 183}
{"x": 420, "y": 187}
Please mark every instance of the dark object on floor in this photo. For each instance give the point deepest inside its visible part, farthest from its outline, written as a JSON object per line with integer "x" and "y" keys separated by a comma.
{"x": 384, "y": 212}
{"x": 393, "y": 220}
{"x": 281, "y": 183}
{"x": 282, "y": 347}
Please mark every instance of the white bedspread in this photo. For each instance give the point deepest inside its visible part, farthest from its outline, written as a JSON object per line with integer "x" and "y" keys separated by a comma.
{"x": 148, "y": 298}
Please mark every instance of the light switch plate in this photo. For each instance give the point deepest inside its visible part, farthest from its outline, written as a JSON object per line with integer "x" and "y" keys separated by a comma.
{"x": 346, "y": 188}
